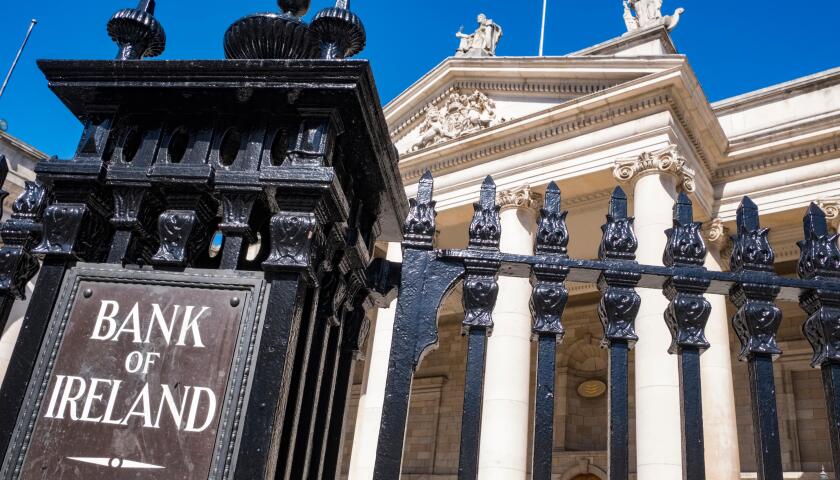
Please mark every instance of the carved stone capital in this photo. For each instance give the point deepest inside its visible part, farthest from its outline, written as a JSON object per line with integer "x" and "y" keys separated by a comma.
{"x": 665, "y": 161}
{"x": 831, "y": 207}
{"x": 718, "y": 237}
{"x": 521, "y": 197}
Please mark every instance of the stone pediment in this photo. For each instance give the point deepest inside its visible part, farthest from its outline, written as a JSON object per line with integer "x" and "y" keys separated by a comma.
{"x": 463, "y": 96}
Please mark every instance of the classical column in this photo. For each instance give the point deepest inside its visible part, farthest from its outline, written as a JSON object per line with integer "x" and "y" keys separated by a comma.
{"x": 655, "y": 177}
{"x": 372, "y": 396}
{"x": 505, "y": 419}
{"x": 720, "y": 429}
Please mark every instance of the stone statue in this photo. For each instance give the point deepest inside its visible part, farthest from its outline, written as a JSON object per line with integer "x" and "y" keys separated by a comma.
{"x": 641, "y": 14}
{"x": 482, "y": 42}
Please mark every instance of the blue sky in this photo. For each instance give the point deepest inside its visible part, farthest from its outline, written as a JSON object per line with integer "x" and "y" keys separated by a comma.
{"x": 734, "y": 46}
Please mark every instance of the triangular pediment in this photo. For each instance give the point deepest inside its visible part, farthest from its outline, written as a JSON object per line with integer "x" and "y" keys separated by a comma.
{"x": 463, "y": 96}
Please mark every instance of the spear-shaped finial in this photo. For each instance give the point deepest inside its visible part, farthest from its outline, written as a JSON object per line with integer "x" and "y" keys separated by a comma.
{"x": 814, "y": 222}
{"x": 342, "y": 32}
{"x": 746, "y": 217}
{"x": 619, "y": 241}
{"x": 751, "y": 249}
{"x": 137, "y": 32}
{"x": 419, "y": 227}
{"x": 820, "y": 254}
{"x": 552, "y": 233}
{"x": 685, "y": 245}
{"x": 486, "y": 228}
{"x": 683, "y": 210}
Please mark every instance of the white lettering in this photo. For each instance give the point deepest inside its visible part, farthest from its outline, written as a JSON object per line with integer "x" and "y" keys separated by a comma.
{"x": 66, "y": 397}
{"x": 191, "y": 324}
{"x": 169, "y": 400}
{"x": 59, "y": 380}
{"x": 211, "y": 409}
{"x": 91, "y": 396}
{"x": 133, "y": 362}
{"x": 146, "y": 412}
{"x": 133, "y": 317}
{"x": 112, "y": 400}
{"x": 109, "y": 317}
{"x": 157, "y": 316}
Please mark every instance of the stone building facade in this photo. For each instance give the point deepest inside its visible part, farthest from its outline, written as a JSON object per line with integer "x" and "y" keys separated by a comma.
{"x": 629, "y": 111}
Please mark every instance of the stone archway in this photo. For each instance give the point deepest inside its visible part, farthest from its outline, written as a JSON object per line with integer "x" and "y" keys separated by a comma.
{"x": 586, "y": 476}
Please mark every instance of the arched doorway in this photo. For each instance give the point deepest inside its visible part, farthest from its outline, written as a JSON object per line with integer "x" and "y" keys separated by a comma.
{"x": 586, "y": 476}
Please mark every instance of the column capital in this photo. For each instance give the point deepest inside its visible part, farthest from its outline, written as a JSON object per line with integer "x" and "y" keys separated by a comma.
{"x": 717, "y": 237}
{"x": 831, "y": 207}
{"x": 667, "y": 160}
{"x": 520, "y": 197}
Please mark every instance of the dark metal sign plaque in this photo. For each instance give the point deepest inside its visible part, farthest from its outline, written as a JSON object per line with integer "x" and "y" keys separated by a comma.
{"x": 140, "y": 376}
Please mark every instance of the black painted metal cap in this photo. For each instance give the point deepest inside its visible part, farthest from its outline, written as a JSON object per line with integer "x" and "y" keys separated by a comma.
{"x": 271, "y": 36}
{"x": 138, "y": 33}
{"x": 342, "y": 28}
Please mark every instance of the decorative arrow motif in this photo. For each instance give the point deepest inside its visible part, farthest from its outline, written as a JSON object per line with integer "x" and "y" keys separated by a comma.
{"x": 116, "y": 463}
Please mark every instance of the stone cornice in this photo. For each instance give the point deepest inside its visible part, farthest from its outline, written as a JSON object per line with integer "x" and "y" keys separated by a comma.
{"x": 568, "y": 73}
{"x": 668, "y": 160}
{"x": 521, "y": 197}
{"x": 802, "y": 154}
{"x": 673, "y": 90}
{"x": 778, "y": 92}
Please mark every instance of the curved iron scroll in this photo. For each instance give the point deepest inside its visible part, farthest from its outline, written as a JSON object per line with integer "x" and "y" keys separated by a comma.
{"x": 425, "y": 282}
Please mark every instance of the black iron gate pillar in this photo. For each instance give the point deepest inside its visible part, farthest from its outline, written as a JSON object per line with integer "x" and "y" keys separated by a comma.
{"x": 756, "y": 323}
{"x": 617, "y": 311}
{"x": 20, "y": 234}
{"x": 547, "y": 304}
{"x": 820, "y": 260}
{"x": 686, "y": 317}
{"x": 74, "y": 228}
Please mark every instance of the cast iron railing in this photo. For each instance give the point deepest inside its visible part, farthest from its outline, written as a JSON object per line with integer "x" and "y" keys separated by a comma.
{"x": 428, "y": 275}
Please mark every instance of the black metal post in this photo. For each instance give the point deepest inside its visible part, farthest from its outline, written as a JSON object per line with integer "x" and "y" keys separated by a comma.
{"x": 617, "y": 311}
{"x": 471, "y": 413}
{"x": 480, "y": 291}
{"x": 686, "y": 316}
{"x": 756, "y": 324}
{"x": 290, "y": 276}
{"x": 820, "y": 260}
{"x": 547, "y": 304}
{"x": 425, "y": 281}
{"x": 354, "y": 337}
{"x": 297, "y": 384}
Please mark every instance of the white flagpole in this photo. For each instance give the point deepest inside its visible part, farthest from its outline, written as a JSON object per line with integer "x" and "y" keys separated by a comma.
{"x": 542, "y": 31}
{"x": 17, "y": 57}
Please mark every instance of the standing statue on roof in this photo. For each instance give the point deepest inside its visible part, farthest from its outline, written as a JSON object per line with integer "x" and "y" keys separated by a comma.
{"x": 642, "y": 14}
{"x": 482, "y": 42}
